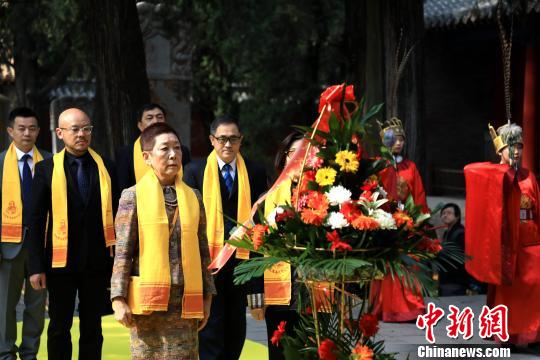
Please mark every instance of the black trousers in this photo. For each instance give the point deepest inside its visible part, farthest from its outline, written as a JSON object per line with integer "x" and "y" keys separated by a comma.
{"x": 63, "y": 289}
{"x": 274, "y": 315}
{"x": 225, "y": 333}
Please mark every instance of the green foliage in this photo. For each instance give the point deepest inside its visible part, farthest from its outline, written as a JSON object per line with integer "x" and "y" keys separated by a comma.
{"x": 265, "y": 61}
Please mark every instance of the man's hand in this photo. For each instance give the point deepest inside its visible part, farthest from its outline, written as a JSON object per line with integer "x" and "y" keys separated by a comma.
{"x": 257, "y": 314}
{"x": 207, "y": 307}
{"x": 122, "y": 312}
{"x": 38, "y": 281}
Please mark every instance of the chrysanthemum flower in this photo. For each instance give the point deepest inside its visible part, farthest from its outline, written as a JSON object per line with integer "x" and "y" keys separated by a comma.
{"x": 347, "y": 161}
{"x": 337, "y": 195}
{"x": 402, "y": 218}
{"x": 362, "y": 352}
{"x": 363, "y": 222}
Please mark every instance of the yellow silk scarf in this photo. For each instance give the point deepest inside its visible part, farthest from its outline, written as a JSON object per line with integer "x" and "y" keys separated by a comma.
{"x": 12, "y": 205}
{"x": 139, "y": 165}
{"x": 150, "y": 291}
{"x": 214, "y": 208}
{"x": 60, "y": 207}
{"x": 277, "y": 279}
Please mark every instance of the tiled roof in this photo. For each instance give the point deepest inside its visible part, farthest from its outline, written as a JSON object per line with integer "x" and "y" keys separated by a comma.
{"x": 449, "y": 13}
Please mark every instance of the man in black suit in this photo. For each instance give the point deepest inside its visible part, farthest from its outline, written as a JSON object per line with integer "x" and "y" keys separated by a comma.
{"x": 86, "y": 264}
{"x": 23, "y": 129}
{"x": 454, "y": 281}
{"x": 225, "y": 333}
{"x": 146, "y": 116}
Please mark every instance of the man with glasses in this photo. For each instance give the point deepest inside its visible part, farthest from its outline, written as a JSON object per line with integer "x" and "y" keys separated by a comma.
{"x": 130, "y": 165}
{"x": 230, "y": 185}
{"x": 17, "y": 164}
{"x": 71, "y": 235}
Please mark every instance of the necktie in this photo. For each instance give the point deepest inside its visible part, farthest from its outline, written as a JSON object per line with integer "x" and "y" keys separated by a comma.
{"x": 227, "y": 177}
{"x": 82, "y": 178}
{"x": 26, "y": 181}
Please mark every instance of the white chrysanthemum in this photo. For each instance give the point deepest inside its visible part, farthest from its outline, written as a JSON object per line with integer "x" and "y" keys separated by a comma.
{"x": 271, "y": 218}
{"x": 336, "y": 220}
{"x": 337, "y": 195}
{"x": 385, "y": 220}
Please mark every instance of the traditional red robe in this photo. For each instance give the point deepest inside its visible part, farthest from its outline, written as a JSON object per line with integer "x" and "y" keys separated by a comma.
{"x": 404, "y": 180}
{"x": 503, "y": 239}
{"x": 392, "y": 301}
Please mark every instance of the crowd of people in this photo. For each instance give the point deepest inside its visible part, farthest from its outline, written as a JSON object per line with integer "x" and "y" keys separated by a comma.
{"x": 74, "y": 226}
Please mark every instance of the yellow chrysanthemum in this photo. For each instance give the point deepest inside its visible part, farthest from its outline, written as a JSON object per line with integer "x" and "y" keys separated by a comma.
{"x": 325, "y": 176}
{"x": 347, "y": 161}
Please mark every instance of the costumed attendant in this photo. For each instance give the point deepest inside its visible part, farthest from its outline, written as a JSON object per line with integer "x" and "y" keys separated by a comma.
{"x": 280, "y": 290}
{"x": 169, "y": 297}
{"x": 503, "y": 235}
{"x": 393, "y": 301}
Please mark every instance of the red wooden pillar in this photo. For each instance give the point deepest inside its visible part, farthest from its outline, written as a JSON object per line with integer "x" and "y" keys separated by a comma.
{"x": 530, "y": 110}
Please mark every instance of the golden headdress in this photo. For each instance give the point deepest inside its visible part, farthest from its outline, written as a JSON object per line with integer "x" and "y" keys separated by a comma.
{"x": 507, "y": 135}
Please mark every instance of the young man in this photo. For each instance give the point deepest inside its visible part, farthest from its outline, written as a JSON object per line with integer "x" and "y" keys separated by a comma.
{"x": 130, "y": 165}
{"x": 503, "y": 235}
{"x": 17, "y": 164}
{"x": 72, "y": 210}
{"x": 230, "y": 185}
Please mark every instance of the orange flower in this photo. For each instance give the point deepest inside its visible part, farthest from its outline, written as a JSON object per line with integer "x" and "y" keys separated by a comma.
{"x": 257, "y": 234}
{"x": 317, "y": 208}
{"x": 362, "y": 352}
{"x": 278, "y": 333}
{"x": 313, "y": 217}
{"x": 362, "y": 222}
{"x": 402, "y": 218}
{"x": 317, "y": 201}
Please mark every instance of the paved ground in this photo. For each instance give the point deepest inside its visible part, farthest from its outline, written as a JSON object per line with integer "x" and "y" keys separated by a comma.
{"x": 404, "y": 339}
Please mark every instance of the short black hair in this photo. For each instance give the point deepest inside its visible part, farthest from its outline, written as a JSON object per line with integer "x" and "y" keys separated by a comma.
{"x": 225, "y": 119}
{"x": 148, "y": 136}
{"x": 22, "y": 112}
{"x": 457, "y": 210}
{"x": 146, "y": 107}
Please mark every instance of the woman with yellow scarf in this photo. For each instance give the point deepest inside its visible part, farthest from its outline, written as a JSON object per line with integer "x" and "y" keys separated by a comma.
{"x": 280, "y": 291}
{"x": 161, "y": 287}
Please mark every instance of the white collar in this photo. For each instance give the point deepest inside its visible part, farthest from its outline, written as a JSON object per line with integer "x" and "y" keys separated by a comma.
{"x": 222, "y": 163}
{"x": 398, "y": 158}
{"x": 20, "y": 153}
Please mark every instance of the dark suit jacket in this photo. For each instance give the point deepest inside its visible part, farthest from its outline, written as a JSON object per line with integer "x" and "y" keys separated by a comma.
{"x": 456, "y": 236}
{"x": 194, "y": 177}
{"x": 258, "y": 182}
{"x": 86, "y": 242}
{"x": 11, "y": 250}
{"x": 124, "y": 165}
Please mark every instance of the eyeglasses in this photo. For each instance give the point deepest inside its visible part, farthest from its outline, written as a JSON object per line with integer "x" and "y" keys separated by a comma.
{"x": 75, "y": 129}
{"x": 225, "y": 139}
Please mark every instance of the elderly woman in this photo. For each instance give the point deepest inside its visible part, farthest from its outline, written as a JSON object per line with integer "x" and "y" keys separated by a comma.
{"x": 161, "y": 288}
